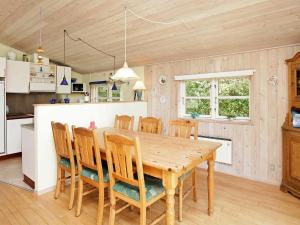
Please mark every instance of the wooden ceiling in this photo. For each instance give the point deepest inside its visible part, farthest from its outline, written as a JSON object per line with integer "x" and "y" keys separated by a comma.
{"x": 205, "y": 27}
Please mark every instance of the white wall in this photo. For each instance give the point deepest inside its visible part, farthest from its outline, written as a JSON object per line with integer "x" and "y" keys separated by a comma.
{"x": 126, "y": 90}
{"x": 73, "y": 114}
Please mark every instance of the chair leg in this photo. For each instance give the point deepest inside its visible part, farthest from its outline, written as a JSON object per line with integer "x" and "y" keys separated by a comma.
{"x": 63, "y": 182}
{"x": 112, "y": 213}
{"x": 80, "y": 195}
{"x": 72, "y": 190}
{"x": 100, "y": 206}
{"x": 143, "y": 218}
{"x": 58, "y": 183}
{"x": 194, "y": 186}
{"x": 180, "y": 200}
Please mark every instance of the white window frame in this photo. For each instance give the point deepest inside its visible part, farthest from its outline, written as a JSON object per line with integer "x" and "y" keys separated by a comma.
{"x": 214, "y": 97}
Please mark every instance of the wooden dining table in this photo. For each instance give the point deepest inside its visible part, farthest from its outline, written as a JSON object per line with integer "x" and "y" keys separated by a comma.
{"x": 168, "y": 158}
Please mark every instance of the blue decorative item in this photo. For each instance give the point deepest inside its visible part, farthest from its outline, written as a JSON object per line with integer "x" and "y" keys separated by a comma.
{"x": 194, "y": 115}
{"x": 296, "y": 118}
{"x": 114, "y": 87}
{"x": 52, "y": 101}
{"x": 73, "y": 80}
{"x": 66, "y": 100}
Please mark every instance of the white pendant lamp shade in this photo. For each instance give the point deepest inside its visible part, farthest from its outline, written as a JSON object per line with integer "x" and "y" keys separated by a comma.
{"x": 139, "y": 85}
{"x": 125, "y": 73}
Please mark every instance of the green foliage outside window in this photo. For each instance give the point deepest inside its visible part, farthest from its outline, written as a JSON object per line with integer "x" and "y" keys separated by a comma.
{"x": 199, "y": 106}
{"x": 197, "y": 88}
{"x": 228, "y": 89}
{"x": 234, "y": 108}
{"x": 234, "y": 87}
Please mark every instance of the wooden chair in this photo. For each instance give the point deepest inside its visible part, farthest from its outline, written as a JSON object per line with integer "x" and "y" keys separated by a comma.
{"x": 136, "y": 189}
{"x": 150, "y": 125}
{"x": 65, "y": 159}
{"x": 91, "y": 169}
{"x": 124, "y": 122}
{"x": 184, "y": 129}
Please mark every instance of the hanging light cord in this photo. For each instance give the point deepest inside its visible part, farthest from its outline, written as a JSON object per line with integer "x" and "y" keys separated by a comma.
{"x": 40, "y": 26}
{"x": 91, "y": 46}
{"x": 151, "y": 21}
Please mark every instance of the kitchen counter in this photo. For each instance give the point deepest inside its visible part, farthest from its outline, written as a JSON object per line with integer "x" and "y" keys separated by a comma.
{"x": 16, "y": 116}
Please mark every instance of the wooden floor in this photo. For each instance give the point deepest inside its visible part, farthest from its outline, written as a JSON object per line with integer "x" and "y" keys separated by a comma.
{"x": 237, "y": 201}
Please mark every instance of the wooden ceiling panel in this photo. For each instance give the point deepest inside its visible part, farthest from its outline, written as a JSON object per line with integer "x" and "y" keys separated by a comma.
{"x": 205, "y": 28}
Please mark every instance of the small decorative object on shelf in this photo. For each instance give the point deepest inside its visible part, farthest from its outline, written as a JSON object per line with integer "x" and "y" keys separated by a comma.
{"x": 86, "y": 97}
{"x": 52, "y": 101}
{"x": 66, "y": 100}
{"x": 194, "y": 115}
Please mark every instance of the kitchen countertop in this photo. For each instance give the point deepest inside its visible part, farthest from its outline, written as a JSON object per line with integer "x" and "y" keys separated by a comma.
{"x": 16, "y": 116}
{"x": 28, "y": 126}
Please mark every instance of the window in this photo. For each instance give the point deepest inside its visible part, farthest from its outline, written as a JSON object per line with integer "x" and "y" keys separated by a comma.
{"x": 103, "y": 93}
{"x": 216, "y": 98}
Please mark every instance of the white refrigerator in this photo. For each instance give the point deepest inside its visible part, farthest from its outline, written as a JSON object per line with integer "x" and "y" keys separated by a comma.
{"x": 2, "y": 117}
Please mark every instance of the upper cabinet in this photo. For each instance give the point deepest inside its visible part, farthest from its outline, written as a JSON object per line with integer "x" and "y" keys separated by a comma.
{"x": 2, "y": 66}
{"x": 61, "y": 73}
{"x": 17, "y": 76}
{"x": 42, "y": 78}
{"x": 294, "y": 81}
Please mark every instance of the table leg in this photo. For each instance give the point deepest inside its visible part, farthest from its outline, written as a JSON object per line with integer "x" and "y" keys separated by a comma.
{"x": 210, "y": 185}
{"x": 170, "y": 181}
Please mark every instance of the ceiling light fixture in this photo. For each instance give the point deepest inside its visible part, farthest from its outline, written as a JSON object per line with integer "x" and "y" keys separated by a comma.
{"x": 64, "y": 81}
{"x": 125, "y": 73}
{"x": 40, "y": 49}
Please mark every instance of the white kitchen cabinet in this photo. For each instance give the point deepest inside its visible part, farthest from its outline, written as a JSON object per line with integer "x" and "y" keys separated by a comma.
{"x": 2, "y": 67}
{"x": 60, "y": 72}
{"x": 17, "y": 76}
{"x": 14, "y": 134}
{"x": 28, "y": 163}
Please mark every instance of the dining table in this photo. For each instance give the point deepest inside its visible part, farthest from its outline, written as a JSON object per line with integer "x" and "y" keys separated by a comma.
{"x": 168, "y": 158}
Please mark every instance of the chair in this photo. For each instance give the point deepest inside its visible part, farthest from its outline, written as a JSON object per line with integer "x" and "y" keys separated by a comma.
{"x": 150, "y": 125}
{"x": 91, "y": 169}
{"x": 136, "y": 189}
{"x": 183, "y": 129}
{"x": 124, "y": 122}
{"x": 65, "y": 159}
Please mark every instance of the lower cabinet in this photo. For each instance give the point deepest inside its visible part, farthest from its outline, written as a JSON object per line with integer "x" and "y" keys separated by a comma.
{"x": 14, "y": 134}
{"x": 291, "y": 160}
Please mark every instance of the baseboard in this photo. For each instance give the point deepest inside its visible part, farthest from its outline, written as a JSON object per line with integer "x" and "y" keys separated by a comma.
{"x": 28, "y": 181}
{"x": 10, "y": 156}
{"x": 44, "y": 191}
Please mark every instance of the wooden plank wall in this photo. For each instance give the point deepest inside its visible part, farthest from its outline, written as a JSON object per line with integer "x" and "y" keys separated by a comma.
{"x": 257, "y": 150}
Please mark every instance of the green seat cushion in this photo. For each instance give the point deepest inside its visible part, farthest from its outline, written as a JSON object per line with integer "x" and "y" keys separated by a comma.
{"x": 93, "y": 174}
{"x": 185, "y": 175}
{"x": 66, "y": 162}
{"x": 153, "y": 187}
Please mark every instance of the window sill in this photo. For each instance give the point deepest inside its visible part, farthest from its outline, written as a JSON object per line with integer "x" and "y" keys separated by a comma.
{"x": 222, "y": 121}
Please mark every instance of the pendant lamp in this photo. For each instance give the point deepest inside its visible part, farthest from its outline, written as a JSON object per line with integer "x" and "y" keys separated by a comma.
{"x": 114, "y": 87}
{"x": 64, "y": 81}
{"x": 40, "y": 49}
{"x": 125, "y": 73}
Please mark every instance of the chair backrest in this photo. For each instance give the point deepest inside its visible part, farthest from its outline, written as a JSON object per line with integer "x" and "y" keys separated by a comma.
{"x": 124, "y": 122}
{"x": 183, "y": 128}
{"x": 150, "y": 125}
{"x": 62, "y": 141}
{"x": 121, "y": 152}
{"x": 87, "y": 150}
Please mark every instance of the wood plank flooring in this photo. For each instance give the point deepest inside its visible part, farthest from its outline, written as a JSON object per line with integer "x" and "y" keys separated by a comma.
{"x": 237, "y": 202}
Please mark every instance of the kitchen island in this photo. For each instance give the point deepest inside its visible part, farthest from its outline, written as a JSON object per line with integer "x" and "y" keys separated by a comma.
{"x": 103, "y": 114}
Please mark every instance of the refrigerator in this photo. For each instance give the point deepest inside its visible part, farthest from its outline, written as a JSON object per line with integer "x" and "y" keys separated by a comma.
{"x": 2, "y": 118}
